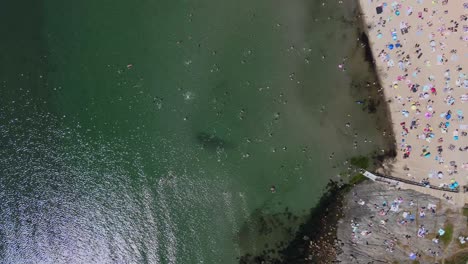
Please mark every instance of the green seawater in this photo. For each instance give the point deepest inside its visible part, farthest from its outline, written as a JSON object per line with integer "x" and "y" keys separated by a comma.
{"x": 151, "y": 131}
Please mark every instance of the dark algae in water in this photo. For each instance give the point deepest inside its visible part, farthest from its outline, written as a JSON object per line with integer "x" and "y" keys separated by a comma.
{"x": 211, "y": 141}
{"x": 315, "y": 240}
{"x": 360, "y": 162}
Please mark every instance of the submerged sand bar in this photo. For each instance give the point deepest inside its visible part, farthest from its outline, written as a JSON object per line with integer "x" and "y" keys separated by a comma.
{"x": 420, "y": 49}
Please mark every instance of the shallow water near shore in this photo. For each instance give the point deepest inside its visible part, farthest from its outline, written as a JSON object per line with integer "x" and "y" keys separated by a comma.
{"x": 152, "y": 131}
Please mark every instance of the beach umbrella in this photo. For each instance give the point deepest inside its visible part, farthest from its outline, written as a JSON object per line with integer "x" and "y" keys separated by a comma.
{"x": 413, "y": 107}
{"x": 412, "y": 256}
{"x": 428, "y": 115}
{"x": 448, "y": 116}
{"x": 397, "y": 12}
{"x": 390, "y": 46}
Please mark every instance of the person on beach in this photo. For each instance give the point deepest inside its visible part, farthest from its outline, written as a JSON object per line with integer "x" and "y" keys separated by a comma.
{"x": 428, "y": 83}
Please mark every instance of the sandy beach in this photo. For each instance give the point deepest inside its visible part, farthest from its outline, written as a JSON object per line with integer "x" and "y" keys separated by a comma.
{"x": 421, "y": 55}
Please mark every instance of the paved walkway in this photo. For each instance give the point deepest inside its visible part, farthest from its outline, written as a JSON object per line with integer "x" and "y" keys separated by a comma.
{"x": 453, "y": 196}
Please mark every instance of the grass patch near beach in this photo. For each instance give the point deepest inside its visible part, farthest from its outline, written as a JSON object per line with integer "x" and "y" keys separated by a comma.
{"x": 360, "y": 162}
{"x": 356, "y": 179}
{"x": 465, "y": 212}
{"x": 457, "y": 259}
{"x": 447, "y": 237}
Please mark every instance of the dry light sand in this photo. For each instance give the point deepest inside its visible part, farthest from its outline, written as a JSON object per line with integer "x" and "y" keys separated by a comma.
{"x": 420, "y": 49}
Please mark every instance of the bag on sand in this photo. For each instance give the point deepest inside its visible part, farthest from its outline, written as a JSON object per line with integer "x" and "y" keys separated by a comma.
{"x": 379, "y": 10}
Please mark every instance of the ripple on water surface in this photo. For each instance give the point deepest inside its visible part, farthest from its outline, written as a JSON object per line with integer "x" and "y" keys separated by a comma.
{"x": 66, "y": 199}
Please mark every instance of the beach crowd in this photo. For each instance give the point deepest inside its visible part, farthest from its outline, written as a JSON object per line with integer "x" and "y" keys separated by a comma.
{"x": 420, "y": 49}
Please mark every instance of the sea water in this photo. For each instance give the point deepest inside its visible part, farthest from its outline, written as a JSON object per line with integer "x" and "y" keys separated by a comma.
{"x": 157, "y": 131}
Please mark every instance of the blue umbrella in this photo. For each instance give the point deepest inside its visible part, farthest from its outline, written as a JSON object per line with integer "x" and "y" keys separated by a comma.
{"x": 390, "y": 46}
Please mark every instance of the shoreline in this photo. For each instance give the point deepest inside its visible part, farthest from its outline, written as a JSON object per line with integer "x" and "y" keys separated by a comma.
{"x": 316, "y": 240}
{"x": 383, "y": 111}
